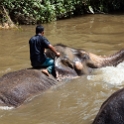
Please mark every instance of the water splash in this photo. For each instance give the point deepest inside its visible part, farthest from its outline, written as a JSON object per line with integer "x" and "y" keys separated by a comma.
{"x": 6, "y": 108}
{"x": 111, "y": 75}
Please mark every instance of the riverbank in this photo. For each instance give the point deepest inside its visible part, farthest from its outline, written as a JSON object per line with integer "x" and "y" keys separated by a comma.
{"x": 32, "y": 12}
{"x": 7, "y": 26}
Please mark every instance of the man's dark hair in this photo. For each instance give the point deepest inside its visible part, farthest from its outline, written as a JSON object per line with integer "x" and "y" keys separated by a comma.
{"x": 39, "y": 29}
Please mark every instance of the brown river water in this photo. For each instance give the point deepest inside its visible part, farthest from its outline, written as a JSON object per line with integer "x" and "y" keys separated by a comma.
{"x": 77, "y": 101}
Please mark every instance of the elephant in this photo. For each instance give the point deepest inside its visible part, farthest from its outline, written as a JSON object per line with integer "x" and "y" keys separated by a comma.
{"x": 112, "y": 110}
{"x": 19, "y": 86}
{"x": 73, "y": 58}
{"x": 84, "y": 62}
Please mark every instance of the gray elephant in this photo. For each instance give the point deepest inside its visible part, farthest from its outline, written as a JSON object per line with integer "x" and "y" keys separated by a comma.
{"x": 17, "y": 87}
{"x": 112, "y": 110}
{"x": 84, "y": 62}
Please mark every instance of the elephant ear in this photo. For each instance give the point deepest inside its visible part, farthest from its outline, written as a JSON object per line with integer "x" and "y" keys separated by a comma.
{"x": 64, "y": 71}
{"x": 49, "y": 53}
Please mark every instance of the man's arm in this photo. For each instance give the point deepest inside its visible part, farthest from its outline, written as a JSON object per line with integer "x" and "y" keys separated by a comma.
{"x": 54, "y": 50}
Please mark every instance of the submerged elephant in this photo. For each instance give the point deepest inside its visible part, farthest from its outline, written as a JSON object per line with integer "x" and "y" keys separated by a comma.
{"x": 112, "y": 110}
{"x": 17, "y": 87}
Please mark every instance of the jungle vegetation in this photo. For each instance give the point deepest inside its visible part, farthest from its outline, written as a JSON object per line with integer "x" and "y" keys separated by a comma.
{"x": 44, "y": 11}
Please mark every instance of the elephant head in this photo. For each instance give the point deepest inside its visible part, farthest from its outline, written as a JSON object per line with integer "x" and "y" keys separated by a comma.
{"x": 83, "y": 62}
{"x": 70, "y": 59}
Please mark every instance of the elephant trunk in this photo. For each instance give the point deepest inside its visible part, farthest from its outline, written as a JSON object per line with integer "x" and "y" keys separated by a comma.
{"x": 112, "y": 60}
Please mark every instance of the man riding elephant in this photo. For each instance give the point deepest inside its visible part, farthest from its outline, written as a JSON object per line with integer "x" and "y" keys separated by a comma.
{"x": 38, "y": 44}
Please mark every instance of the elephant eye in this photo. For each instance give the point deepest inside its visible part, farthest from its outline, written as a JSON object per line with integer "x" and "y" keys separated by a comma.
{"x": 84, "y": 57}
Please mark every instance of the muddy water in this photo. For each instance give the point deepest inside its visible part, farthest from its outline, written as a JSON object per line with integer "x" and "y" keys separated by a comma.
{"x": 78, "y": 100}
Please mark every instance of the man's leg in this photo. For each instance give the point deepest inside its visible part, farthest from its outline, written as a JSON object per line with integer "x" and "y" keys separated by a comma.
{"x": 49, "y": 65}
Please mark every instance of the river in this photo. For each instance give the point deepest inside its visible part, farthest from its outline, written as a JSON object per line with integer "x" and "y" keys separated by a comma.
{"x": 78, "y": 100}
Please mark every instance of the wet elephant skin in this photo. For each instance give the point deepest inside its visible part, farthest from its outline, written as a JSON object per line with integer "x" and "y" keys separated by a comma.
{"x": 112, "y": 110}
{"x": 16, "y": 87}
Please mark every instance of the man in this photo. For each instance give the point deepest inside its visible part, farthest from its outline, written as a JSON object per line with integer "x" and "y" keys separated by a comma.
{"x": 38, "y": 44}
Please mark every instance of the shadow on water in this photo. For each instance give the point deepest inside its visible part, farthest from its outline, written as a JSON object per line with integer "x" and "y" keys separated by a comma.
{"x": 77, "y": 101}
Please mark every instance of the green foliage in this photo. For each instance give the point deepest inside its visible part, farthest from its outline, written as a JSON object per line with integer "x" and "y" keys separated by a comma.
{"x": 42, "y": 11}
{"x": 37, "y": 11}
{"x": 107, "y": 5}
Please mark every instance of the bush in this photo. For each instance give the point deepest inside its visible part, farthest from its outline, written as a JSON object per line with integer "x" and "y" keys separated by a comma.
{"x": 43, "y": 11}
{"x": 107, "y": 6}
{"x": 36, "y": 11}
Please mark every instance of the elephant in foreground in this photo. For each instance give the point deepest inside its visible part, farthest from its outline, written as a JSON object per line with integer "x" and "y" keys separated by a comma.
{"x": 112, "y": 110}
{"x": 19, "y": 86}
